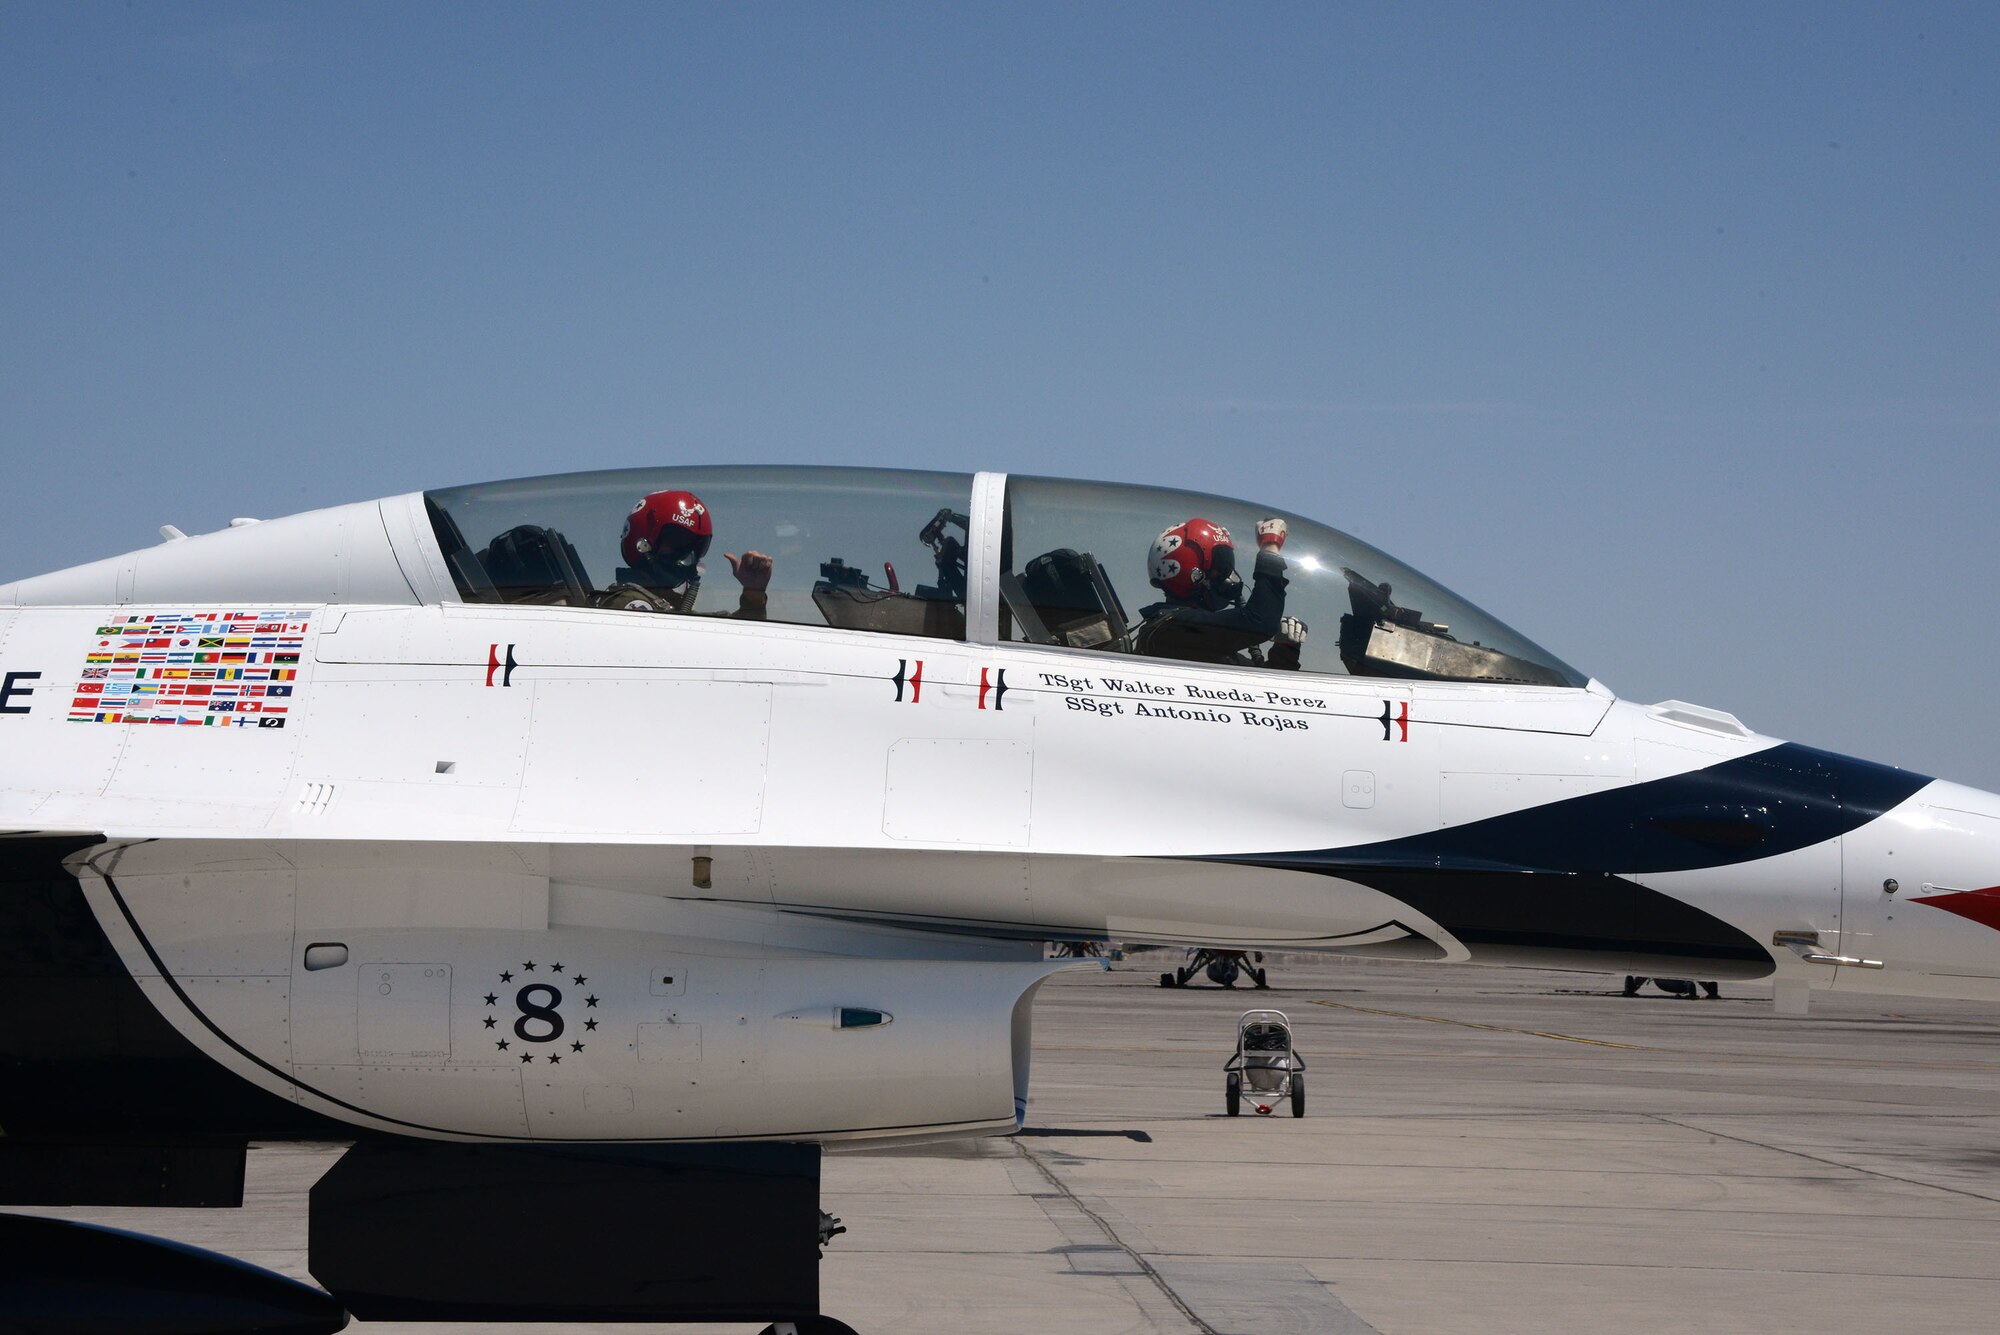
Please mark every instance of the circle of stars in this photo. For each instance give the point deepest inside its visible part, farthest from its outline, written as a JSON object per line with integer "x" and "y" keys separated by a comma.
{"x": 556, "y": 969}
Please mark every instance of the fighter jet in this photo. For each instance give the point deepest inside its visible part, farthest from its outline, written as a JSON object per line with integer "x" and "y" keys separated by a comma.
{"x": 591, "y": 849}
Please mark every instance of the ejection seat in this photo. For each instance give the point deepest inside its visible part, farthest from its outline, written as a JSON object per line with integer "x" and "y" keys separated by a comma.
{"x": 1064, "y": 597}
{"x": 532, "y": 564}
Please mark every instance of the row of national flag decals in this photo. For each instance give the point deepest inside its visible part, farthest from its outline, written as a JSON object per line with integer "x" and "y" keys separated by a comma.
{"x": 193, "y": 669}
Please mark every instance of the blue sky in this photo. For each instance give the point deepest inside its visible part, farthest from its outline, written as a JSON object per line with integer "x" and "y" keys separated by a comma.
{"x": 1668, "y": 335}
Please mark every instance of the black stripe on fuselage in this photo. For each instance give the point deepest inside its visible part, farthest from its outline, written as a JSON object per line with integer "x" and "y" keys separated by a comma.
{"x": 1756, "y": 806}
{"x": 1550, "y": 884}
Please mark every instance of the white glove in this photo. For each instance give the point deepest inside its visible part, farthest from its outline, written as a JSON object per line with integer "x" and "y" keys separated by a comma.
{"x": 1291, "y": 630}
{"x": 1271, "y": 533}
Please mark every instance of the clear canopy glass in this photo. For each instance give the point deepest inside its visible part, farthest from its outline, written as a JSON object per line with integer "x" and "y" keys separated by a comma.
{"x": 858, "y": 548}
{"x": 890, "y": 551}
{"x": 1078, "y": 563}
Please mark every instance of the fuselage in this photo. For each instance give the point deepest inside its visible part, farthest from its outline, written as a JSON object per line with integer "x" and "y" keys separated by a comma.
{"x": 421, "y": 862}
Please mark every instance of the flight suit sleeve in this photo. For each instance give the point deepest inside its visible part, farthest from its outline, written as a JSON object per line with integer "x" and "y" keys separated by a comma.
{"x": 1266, "y": 605}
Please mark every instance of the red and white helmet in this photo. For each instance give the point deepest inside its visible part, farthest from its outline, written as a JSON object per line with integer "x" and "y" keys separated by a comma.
{"x": 1190, "y": 556}
{"x": 666, "y": 529}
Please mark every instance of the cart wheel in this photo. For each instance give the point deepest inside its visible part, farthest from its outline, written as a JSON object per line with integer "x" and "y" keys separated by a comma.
{"x": 1181, "y": 976}
{"x": 1232, "y": 1093}
{"x": 1166, "y": 980}
{"x": 1298, "y": 1096}
{"x": 812, "y": 1325}
{"x": 1261, "y": 977}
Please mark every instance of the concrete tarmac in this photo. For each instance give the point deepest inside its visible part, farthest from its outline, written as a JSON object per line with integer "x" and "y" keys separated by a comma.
{"x": 1484, "y": 1150}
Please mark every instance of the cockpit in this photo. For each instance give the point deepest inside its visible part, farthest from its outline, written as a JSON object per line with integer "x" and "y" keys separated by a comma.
{"x": 986, "y": 557}
{"x": 855, "y": 549}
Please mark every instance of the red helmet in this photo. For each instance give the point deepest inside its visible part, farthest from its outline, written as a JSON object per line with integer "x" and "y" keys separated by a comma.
{"x": 1190, "y": 556}
{"x": 667, "y": 529}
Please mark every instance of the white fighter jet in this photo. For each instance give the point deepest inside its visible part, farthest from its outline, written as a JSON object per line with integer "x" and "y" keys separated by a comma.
{"x": 513, "y": 834}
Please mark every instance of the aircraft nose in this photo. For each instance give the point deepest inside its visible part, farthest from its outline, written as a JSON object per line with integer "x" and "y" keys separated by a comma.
{"x": 1955, "y": 855}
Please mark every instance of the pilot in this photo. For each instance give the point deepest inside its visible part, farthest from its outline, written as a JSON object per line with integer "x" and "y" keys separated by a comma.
{"x": 665, "y": 537}
{"x": 1206, "y": 617}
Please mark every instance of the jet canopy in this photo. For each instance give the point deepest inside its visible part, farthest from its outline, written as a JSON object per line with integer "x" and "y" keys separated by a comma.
{"x": 984, "y": 557}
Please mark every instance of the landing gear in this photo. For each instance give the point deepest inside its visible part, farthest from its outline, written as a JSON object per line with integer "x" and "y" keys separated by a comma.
{"x": 1221, "y": 967}
{"x": 1673, "y": 987}
{"x": 830, "y": 1228}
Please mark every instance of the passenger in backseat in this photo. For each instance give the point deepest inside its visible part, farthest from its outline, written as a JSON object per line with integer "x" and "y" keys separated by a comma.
{"x": 1206, "y": 618}
{"x": 665, "y": 537}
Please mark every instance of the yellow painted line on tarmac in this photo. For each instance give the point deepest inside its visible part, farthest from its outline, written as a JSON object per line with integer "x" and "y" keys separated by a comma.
{"x": 1491, "y": 1028}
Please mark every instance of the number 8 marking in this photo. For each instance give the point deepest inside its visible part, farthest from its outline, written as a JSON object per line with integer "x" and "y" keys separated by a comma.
{"x": 545, "y": 1012}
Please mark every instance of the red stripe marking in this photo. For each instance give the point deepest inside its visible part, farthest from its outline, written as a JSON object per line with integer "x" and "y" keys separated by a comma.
{"x": 1982, "y": 906}
{"x": 983, "y": 688}
{"x": 492, "y": 662}
{"x": 917, "y": 682}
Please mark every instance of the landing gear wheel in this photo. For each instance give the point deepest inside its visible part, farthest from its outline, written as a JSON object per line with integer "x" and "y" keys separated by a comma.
{"x": 1298, "y": 1096}
{"x": 812, "y": 1325}
{"x": 1232, "y": 1093}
